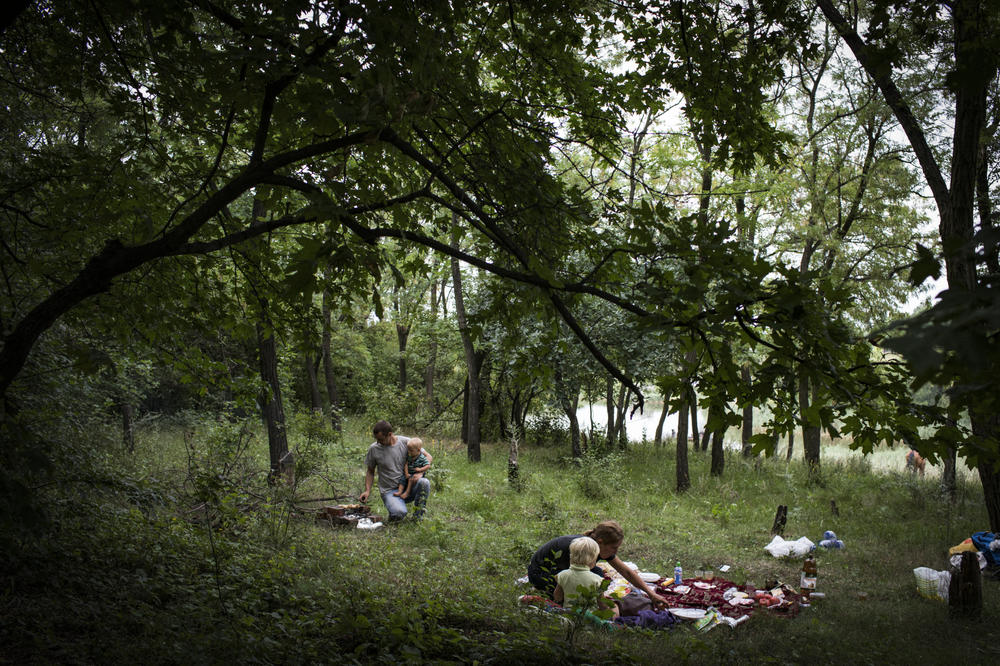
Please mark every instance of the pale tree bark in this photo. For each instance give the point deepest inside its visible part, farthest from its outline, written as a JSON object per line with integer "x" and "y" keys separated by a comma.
{"x": 621, "y": 412}
{"x": 513, "y": 466}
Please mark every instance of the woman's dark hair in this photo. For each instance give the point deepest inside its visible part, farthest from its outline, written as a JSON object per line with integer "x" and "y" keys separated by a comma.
{"x": 607, "y": 531}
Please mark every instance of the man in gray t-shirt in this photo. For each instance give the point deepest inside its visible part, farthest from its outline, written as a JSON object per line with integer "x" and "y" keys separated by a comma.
{"x": 388, "y": 454}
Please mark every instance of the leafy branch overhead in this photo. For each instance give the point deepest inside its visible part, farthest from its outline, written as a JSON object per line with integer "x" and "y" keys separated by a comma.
{"x": 149, "y": 150}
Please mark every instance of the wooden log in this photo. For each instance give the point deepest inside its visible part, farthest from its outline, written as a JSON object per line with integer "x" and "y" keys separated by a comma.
{"x": 780, "y": 517}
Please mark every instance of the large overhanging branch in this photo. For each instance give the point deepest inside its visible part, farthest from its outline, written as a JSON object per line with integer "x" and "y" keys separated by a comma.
{"x": 117, "y": 259}
{"x": 581, "y": 335}
{"x": 348, "y": 219}
{"x": 237, "y": 237}
{"x": 880, "y": 74}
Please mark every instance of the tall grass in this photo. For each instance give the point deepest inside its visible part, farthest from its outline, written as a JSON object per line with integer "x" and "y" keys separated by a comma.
{"x": 137, "y": 573}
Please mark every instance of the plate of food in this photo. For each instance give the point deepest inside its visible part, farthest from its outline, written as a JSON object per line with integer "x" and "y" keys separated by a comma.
{"x": 688, "y": 613}
{"x": 649, "y": 576}
{"x": 703, "y": 586}
{"x": 618, "y": 588}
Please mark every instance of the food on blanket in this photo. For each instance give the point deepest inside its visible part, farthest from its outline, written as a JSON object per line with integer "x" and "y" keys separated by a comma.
{"x": 703, "y": 586}
{"x": 650, "y": 577}
{"x": 618, "y": 588}
{"x": 679, "y": 589}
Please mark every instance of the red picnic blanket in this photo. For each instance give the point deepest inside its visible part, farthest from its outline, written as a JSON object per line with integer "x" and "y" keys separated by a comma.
{"x": 702, "y": 593}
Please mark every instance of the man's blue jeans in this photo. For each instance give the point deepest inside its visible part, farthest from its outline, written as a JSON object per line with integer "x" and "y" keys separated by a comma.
{"x": 397, "y": 507}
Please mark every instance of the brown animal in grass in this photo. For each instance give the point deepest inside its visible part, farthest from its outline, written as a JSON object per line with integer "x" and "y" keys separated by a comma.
{"x": 915, "y": 462}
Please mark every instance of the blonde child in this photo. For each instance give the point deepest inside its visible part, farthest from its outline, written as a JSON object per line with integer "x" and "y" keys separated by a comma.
{"x": 583, "y": 553}
{"x": 418, "y": 462}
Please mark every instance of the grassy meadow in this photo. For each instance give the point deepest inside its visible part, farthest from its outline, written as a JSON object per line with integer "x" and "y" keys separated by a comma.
{"x": 180, "y": 553}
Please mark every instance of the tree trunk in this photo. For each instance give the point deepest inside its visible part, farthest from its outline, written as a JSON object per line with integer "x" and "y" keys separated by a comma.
{"x": 569, "y": 406}
{"x": 991, "y": 248}
{"x": 272, "y": 407}
{"x": 955, "y": 203}
{"x": 705, "y": 436}
{"x": 791, "y": 444}
{"x": 332, "y": 394}
{"x": 991, "y": 490}
{"x": 693, "y": 402}
{"x": 465, "y": 412}
{"x": 128, "y": 426}
{"x": 718, "y": 454}
{"x": 747, "y": 432}
{"x": 513, "y": 468}
{"x": 432, "y": 349}
{"x": 315, "y": 399}
{"x": 610, "y": 405}
{"x": 810, "y": 431}
{"x": 402, "y": 335}
{"x": 949, "y": 485}
{"x": 471, "y": 430}
{"x": 621, "y": 408}
{"x": 658, "y": 439}
{"x": 683, "y": 477}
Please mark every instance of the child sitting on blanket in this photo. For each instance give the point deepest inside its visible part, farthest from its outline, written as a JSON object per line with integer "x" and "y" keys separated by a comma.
{"x": 417, "y": 464}
{"x": 583, "y": 553}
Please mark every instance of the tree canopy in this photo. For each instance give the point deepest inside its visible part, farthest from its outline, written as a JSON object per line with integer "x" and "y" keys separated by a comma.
{"x": 221, "y": 165}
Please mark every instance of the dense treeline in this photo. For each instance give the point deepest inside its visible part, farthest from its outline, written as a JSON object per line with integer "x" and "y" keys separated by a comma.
{"x": 465, "y": 213}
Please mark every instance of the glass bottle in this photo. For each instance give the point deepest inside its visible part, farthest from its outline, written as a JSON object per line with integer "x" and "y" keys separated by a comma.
{"x": 808, "y": 579}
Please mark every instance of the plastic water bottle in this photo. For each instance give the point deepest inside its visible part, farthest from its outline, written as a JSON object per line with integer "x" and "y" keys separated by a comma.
{"x": 677, "y": 573}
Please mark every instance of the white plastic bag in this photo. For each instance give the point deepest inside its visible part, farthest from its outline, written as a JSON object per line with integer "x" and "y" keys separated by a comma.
{"x": 367, "y": 524}
{"x": 779, "y": 547}
{"x": 932, "y": 584}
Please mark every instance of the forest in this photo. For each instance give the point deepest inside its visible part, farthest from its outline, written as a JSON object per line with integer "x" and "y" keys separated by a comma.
{"x": 234, "y": 235}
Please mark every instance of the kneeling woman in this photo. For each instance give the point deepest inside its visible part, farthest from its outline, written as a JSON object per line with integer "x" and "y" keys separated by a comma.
{"x": 553, "y": 557}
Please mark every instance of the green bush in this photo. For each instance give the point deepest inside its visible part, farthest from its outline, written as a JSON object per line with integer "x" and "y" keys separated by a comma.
{"x": 601, "y": 474}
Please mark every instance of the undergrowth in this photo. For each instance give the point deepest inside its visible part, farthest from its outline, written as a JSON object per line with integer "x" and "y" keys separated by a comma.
{"x": 181, "y": 553}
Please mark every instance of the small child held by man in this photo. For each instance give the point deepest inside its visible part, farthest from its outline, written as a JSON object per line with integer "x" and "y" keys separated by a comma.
{"x": 417, "y": 464}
